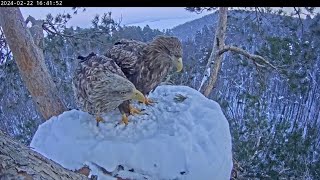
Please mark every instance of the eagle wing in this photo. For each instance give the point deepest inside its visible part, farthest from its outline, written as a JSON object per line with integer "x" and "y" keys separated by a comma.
{"x": 89, "y": 80}
{"x": 127, "y": 54}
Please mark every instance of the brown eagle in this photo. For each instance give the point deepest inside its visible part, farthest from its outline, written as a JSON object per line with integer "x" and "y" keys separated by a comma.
{"x": 146, "y": 64}
{"x": 100, "y": 86}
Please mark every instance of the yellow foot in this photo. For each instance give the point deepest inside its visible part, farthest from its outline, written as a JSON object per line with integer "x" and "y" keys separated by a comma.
{"x": 99, "y": 119}
{"x": 134, "y": 110}
{"x": 148, "y": 101}
{"x": 125, "y": 119}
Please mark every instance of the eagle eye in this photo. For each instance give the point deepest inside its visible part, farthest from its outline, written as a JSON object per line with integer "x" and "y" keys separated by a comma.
{"x": 122, "y": 92}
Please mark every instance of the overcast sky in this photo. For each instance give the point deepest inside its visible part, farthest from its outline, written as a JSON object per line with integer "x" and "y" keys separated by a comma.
{"x": 169, "y": 16}
{"x": 129, "y": 15}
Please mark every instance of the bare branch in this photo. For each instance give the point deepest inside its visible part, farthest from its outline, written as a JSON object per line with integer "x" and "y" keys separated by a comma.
{"x": 298, "y": 12}
{"x": 253, "y": 57}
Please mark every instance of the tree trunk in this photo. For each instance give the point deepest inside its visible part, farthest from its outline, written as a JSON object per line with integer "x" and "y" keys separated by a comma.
{"x": 30, "y": 61}
{"x": 214, "y": 62}
{"x": 20, "y": 162}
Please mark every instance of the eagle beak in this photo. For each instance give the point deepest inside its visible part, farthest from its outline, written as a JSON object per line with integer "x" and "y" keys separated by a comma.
{"x": 179, "y": 64}
{"x": 137, "y": 95}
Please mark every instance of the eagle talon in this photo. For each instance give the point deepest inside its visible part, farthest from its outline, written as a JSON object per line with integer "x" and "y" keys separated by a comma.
{"x": 99, "y": 119}
{"x": 148, "y": 101}
{"x": 125, "y": 119}
{"x": 134, "y": 110}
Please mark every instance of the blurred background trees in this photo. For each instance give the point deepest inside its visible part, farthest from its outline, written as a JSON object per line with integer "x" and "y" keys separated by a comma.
{"x": 273, "y": 115}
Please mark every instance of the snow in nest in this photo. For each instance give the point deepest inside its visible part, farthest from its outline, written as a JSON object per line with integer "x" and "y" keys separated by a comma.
{"x": 183, "y": 136}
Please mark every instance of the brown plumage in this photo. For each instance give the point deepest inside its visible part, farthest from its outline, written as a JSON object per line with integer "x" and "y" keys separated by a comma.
{"x": 146, "y": 65}
{"x": 100, "y": 86}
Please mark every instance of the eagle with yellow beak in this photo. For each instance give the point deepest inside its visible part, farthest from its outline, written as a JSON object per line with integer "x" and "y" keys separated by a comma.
{"x": 146, "y": 64}
{"x": 100, "y": 86}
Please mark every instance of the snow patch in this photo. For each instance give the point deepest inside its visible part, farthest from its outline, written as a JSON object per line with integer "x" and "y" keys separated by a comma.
{"x": 205, "y": 78}
{"x": 183, "y": 136}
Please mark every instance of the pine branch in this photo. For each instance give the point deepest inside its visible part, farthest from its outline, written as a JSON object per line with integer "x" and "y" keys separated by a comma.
{"x": 54, "y": 31}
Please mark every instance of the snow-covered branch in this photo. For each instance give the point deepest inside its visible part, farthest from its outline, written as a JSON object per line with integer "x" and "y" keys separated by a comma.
{"x": 255, "y": 58}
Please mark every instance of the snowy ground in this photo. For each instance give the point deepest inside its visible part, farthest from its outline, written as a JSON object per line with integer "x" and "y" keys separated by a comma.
{"x": 183, "y": 136}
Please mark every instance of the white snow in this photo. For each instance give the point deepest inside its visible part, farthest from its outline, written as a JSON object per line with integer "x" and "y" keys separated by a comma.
{"x": 176, "y": 139}
{"x": 205, "y": 78}
{"x": 290, "y": 48}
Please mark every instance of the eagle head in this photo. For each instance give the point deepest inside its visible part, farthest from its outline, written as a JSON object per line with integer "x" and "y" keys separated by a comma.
{"x": 121, "y": 89}
{"x": 170, "y": 47}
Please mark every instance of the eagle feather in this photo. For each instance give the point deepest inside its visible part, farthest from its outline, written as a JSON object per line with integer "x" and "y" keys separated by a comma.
{"x": 100, "y": 85}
